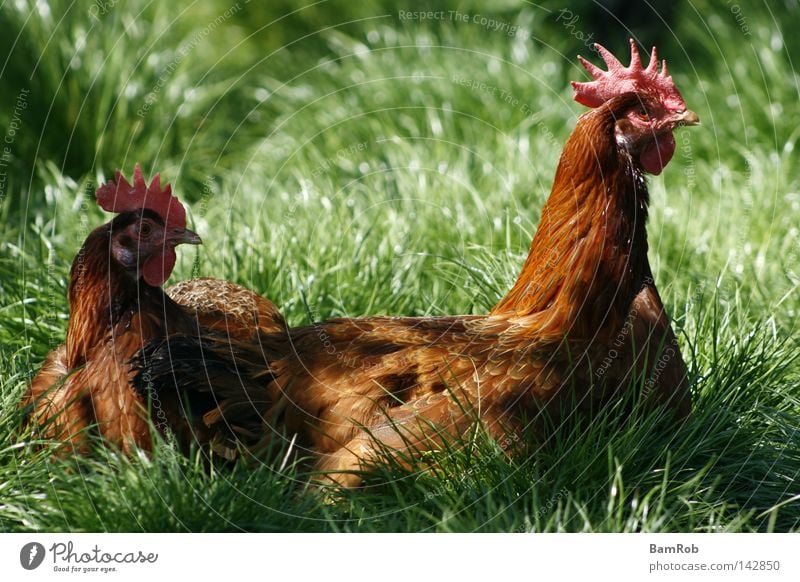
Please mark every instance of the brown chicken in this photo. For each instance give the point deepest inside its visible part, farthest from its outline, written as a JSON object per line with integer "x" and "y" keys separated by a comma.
{"x": 583, "y": 324}
{"x": 117, "y": 306}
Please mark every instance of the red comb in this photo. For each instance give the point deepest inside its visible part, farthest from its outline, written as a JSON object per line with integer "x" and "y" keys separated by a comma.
{"x": 121, "y": 196}
{"x": 620, "y": 79}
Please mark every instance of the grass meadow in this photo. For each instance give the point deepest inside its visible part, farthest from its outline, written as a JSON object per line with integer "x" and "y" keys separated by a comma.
{"x": 357, "y": 159}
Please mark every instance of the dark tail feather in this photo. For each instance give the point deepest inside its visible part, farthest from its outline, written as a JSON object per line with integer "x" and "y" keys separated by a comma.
{"x": 206, "y": 389}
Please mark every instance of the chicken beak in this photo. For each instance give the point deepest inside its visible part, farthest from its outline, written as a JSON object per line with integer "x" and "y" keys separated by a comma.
{"x": 688, "y": 117}
{"x": 178, "y": 236}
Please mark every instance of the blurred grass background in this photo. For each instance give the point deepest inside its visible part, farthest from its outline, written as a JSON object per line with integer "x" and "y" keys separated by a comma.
{"x": 354, "y": 159}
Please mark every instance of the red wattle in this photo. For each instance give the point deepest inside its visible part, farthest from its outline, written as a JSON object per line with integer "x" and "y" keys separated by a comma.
{"x": 658, "y": 153}
{"x": 158, "y": 268}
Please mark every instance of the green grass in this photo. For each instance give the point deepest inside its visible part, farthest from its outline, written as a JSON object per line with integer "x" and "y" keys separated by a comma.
{"x": 333, "y": 160}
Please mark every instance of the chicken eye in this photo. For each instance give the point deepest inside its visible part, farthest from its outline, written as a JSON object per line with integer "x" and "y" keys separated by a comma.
{"x": 642, "y": 114}
{"x": 145, "y": 229}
